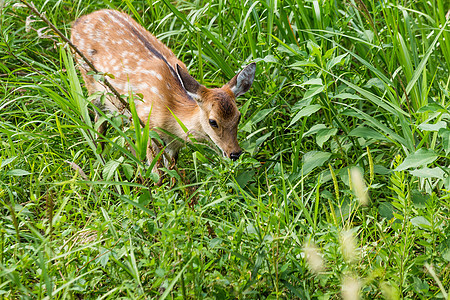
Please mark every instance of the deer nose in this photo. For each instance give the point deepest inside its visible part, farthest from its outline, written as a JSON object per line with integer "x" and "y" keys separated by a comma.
{"x": 235, "y": 155}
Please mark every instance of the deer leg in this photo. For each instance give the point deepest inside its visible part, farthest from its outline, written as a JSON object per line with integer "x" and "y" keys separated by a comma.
{"x": 172, "y": 154}
{"x": 171, "y": 162}
{"x": 174, "y": 160}
{"x": 152, "y": 152}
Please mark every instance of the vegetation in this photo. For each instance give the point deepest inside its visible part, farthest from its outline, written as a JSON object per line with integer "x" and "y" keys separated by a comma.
{"x": 343, "y": 187}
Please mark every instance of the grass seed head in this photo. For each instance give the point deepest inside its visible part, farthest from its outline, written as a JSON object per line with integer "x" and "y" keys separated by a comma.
{"x": 350, "y": 288}
{"x": 359, "y": 187}
{"x": 313, "y": 258}
{"x": 348, "y": 246}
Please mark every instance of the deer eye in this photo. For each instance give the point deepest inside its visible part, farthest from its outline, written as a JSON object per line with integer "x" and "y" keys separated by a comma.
{"x": 213, "y": 123}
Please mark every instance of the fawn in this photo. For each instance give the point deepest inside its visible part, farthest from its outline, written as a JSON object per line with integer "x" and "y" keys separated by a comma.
{"x": 140, "y": 63}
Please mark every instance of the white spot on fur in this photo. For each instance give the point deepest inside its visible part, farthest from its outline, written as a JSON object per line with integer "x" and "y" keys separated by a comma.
{"x": 118, "y": 85}
{"x": 81, "y": 44}
{"x": 113, "y": 17}
{"x": 154, "y": 90}
{"x": 153, "y": 73}
{"x": 145, "y": 109}
{"x": 75, "y": 36}
{"x": 143, "y": 86}
{"x": 140, "y": 62}
{"x": 100, "y": 66}
{"x": 99, "y": 39}
{"x": 89, "y": 29}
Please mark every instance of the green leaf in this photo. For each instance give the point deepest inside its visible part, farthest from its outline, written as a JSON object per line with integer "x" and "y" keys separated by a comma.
{"x": 315, "y": 129}
{"x": 419, "y": 200}
{"x": 270, "y": 59}
{"x": 379, "y": 169}
{"x": 7, "y": 161}
{"x": 313, "y": 81}
{"x": 128, "y": 171}
{"x": 144, "y": 198}
{"x": 305, "y": 112}
{"x": 215, "y": 242}
{"x": 329, "y": 52}
{"x": 110, "y": 168}
{"x": 261, "y": 115}
{"x": 421, "y": 222}
{"x": 446, "y": 254}
{"x": 431, "y": 107}
{"x": 368, "y": 35}
{"x": 335, "y": 61}
{"x": 445, "y": 135}
{"x": 428, "y": 173}
{"x": 313, "y": 90}
{"x": 433, "y": 127}
{"x": 367, "y": 133}
{"x": 314, "y": 49}
{"x": 243, "y": 178}
{"x": 314, "y": 159}
{"x": 420, "y": 286}
{"x": 17, "y": 172}
{"x": 324, "y": 134}
{"x": 347, "y": 96}
{"x": 386, "y": 210}
{"x": 301, "y": 103}
{"x": 421, "y": 157}
{"x": 154, "y": 177}
{"x": 103, "y": 258}
{"x": 261, "y": 139}
{"x": 422, "y": 65}
{"x": 298, "y": 64}
{"x": 375, "y": 82}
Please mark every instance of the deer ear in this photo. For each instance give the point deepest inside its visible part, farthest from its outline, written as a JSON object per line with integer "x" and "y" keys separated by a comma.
{"x": 242, "y": 82}
{"x": 189, "y": 83}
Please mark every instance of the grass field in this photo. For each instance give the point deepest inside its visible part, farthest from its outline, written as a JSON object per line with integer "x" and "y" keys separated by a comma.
{"x": 342, "y": 190}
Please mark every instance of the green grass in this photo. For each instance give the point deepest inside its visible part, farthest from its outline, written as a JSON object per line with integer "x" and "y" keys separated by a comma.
{"x": 339, "y": 85}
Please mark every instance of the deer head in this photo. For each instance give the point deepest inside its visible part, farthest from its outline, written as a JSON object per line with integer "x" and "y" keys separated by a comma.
{"x": 219, "y": 115}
